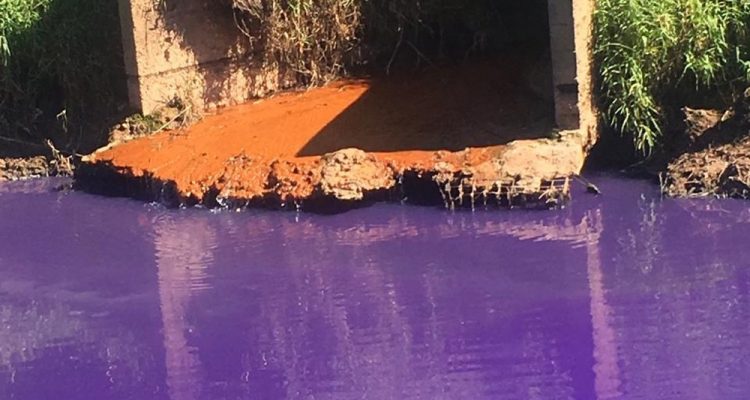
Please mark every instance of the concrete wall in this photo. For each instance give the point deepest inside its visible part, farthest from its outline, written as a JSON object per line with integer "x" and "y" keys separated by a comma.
{"x": 571, "y": 40}
{"x": 562, "y": 47}
{"x": 191, "y": 49}
{"x": 583, "y": 19}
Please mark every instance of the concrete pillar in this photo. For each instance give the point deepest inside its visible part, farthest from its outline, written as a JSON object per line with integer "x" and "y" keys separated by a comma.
{"x": 583, "y": 19}
{"x": 562, "y": 48}
{"x": 188, "y": 49}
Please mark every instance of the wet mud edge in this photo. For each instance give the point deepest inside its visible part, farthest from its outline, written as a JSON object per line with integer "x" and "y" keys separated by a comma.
{"x": 526, "y": 173}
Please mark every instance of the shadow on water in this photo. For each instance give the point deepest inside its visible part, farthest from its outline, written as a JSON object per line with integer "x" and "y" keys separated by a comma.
{"x": 618, "y": 296}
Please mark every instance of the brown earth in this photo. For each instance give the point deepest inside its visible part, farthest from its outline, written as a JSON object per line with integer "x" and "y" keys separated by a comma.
{"x": 714, "y": 156}
{"x": 722, "y": 171}
{"x": 477, "y": 130}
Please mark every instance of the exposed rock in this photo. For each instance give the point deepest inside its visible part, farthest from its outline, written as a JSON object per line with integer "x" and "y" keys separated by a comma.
{"x": 534, "y": 162}
{"x": 530, "y": 172}
{"x": 291, "y": 181}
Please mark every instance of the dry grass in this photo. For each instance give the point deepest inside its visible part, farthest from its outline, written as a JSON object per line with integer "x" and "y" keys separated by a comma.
{"x": 315, "y": 39}
{"x": 320, "y": 40}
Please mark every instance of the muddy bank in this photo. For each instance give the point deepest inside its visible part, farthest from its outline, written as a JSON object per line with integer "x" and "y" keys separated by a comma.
{"x": 723, "y": 171}
{"x": 713, "y": 159}
{"x": 532, "y": 173}
{"x": 14, "y": 169}
{"x": 460, "y": 137}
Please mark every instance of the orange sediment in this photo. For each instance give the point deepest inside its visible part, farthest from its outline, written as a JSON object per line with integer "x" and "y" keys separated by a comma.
{"x": 446, "y": 121}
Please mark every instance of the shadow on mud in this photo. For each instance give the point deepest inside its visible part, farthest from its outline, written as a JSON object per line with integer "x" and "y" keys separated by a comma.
{"x": 477, "y": 104}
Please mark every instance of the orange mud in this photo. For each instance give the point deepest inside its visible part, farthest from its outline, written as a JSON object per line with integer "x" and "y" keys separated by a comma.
{"x": 276, "y": 144}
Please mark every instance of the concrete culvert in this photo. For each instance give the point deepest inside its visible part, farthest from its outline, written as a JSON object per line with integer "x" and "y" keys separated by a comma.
{"x": 417, "y": 86}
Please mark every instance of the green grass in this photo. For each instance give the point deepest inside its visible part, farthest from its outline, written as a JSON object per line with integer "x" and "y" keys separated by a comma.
{"x": 60, "y": 70}
{"x": 657, "y": 56}
{"x": 16, "y": 16}
{"x": 654, "y": 57}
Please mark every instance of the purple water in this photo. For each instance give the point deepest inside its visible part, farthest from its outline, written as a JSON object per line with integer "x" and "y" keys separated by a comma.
{"x": 625, "y": 296}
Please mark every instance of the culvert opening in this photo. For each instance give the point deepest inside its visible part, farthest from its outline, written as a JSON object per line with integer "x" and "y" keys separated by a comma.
{"x": 435, "y": 75}
{"x": 410, "y": 85}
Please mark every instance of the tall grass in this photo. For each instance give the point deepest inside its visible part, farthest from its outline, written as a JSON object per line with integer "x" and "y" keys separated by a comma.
{"x": 656, "y": 55}
{"x": 60, "y": 70}
{"x": 16, "y": 16}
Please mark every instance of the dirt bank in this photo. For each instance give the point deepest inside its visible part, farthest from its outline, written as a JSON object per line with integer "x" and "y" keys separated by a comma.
{"x": 472, "y": 134}
{"x": 14, "y": 169}
{"x": 714, "y": 158}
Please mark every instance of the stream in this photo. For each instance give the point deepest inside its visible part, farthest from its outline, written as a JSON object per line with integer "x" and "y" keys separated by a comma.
{"x": 624, "y": 295}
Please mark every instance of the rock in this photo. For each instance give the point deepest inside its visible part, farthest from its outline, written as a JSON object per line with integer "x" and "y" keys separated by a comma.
{"x": 350, "y": 173}
{"x": 532, "y": 162}
{"x": 524, "y": 173}
{"x": 170, "y": 117}
{"x": 293, "y": 181}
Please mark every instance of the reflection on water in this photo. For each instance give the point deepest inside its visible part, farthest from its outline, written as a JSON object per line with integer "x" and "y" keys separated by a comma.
{"x": 623, "y": 296}
{"x": 606, "y": 370}
{"x": 184, "y": 252}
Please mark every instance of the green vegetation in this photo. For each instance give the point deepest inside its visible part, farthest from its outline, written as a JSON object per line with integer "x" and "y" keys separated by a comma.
{"x": 657, "y": 56}
{"x": 60, "y": 72}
